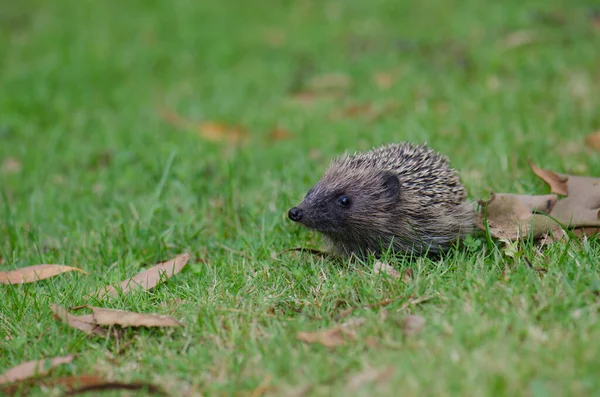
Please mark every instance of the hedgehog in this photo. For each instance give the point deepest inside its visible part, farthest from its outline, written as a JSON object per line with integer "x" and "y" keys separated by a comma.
{"x": 402, "y": 197}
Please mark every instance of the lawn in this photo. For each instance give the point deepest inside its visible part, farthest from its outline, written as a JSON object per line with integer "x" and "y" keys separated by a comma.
{"x": 131, "y": 132}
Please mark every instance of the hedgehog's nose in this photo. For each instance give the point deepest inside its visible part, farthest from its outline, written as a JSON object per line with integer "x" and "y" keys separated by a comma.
{"x": 295, "y": 214}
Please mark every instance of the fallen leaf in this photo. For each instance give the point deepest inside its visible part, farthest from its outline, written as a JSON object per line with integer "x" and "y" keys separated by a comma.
{"x": 558, "y": 183}
{"x": 218, "y": 132}
{"x": 351, "y": 111}
{"x": 368, "y": 111}
{"x": 212, "y": 131}
{"x": 104, "y": 386}
{"x": 408, "y": 275}
{"x": 586, "y": 231}
{"x": 329, "y": 338}
{"x": 511, "y": 216}
{"x": 149, "y": 278}
{"x": 34, "y": 273}
{"x": 107, "y": 317}
{"x": 581, "y": 207}
{"x": 518, "y": 39}
{"x": 262, "y": 388}
{"x": 593, "y": 140}
{"x": 275, "y": 37}
{"x": 412, "y": 325}
{"x": 596, "y": 20}
{"x": 329, "y": 82}
{"x": 85, "y": 323}
{"x": 306, "y": 98}
{"x": 384, "y": 80}
{"x": 279, "y": 134}
{"x": 380, "y": 267}
{"x": 34, "y": 368}
{"x": 11, "y": 165}
{"x": 72, "y": 382}
{"x": 369, "y": 375}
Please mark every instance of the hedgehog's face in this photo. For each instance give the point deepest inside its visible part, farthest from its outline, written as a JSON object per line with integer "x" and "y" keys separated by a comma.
{"x": 344, "y": 205}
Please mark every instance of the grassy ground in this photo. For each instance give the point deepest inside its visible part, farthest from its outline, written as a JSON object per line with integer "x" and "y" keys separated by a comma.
{"x": 94, "y": 176}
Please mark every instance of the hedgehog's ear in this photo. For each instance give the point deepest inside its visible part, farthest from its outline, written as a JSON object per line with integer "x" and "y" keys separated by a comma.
{"x": 391, "y": 184}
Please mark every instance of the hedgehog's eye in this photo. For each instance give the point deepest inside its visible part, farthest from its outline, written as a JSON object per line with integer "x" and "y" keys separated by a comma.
{"x": 344, "y": 201}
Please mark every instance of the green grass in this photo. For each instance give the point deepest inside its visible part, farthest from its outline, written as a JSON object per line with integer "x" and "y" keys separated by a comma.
{"x": 107, "y": 185}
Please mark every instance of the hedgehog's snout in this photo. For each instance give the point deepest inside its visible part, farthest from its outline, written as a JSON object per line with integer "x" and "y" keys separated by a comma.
{"x": 295, "y": 214}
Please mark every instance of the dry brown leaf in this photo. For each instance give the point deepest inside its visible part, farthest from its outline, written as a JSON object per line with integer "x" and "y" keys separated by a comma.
{"x": 412, "y": 325}
{"x": 107, "y": 317}
{"x": 518, "y": 39}
{"x": 384, "y": 80}
{"x": 332, "y": 337}
{"x": 11, "y": 165}
{"x": 596, "y": 20}
{"x": 586, "y": 231}
{"x": 149, "y": 278}
{"x": 279, "y": 134}
{"x": 581, "y": 208}
{"x": 262, "y": 388}
{"x": 368, "y": 111}
{"x": 380, "y": 267}
{"x": 34, "y": 368}
{"x": 510, "y": 216}
{"x": 85, "y": 323}
{"x": 558, "y": 183}
{"x": 352, "y": 111}
{"x": 105, "y": 386}
{"x": 34, "y": 273}
{"x": 356, "y": 381}
{"x": 218, "y": 132}
{"x": 72, "y": 382}
{"x": 212, "y": 131}
{"x": 329, "y": 82}
{"x": 408, "y": 275}
{"x": 593, "y": 140}
{"x": 275, "y": 37}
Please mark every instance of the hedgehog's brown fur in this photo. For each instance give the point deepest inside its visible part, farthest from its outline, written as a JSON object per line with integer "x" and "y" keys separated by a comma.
{"x": 401, "y": 196}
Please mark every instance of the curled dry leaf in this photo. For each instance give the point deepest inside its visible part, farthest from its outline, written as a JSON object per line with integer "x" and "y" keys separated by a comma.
{"x": 581, "y": 206}
{"x": 381, "y": 267}
{"x": 11, "y": 165}
{"x": 511, "y": 216}
{"x": 212, "y": 131}
{"x": 593, "y": 140}
{"x": 34, "y": 273}
{"x": 557, "y": 182}
{"x": 219, "y": 132}
{"x": 329, "y": 338}
{"x": 148, "y": 279}
{"x": 279, "y": 134}
{"x": 368, "y": 111}
{"x": 106, "y": 386}
{"x": 85, "y": 323}
{"x": 412, "y": 325}
{"x": 34, "y": 368}
{"x": 384, "y": 80}
{"x": 107, "y": 317}
{"x": 72, "y": 382}
{"x": 369, "y": 375}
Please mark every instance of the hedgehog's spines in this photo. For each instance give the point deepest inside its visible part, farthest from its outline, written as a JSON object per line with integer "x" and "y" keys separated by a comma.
{"x": 428, "y": 214}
